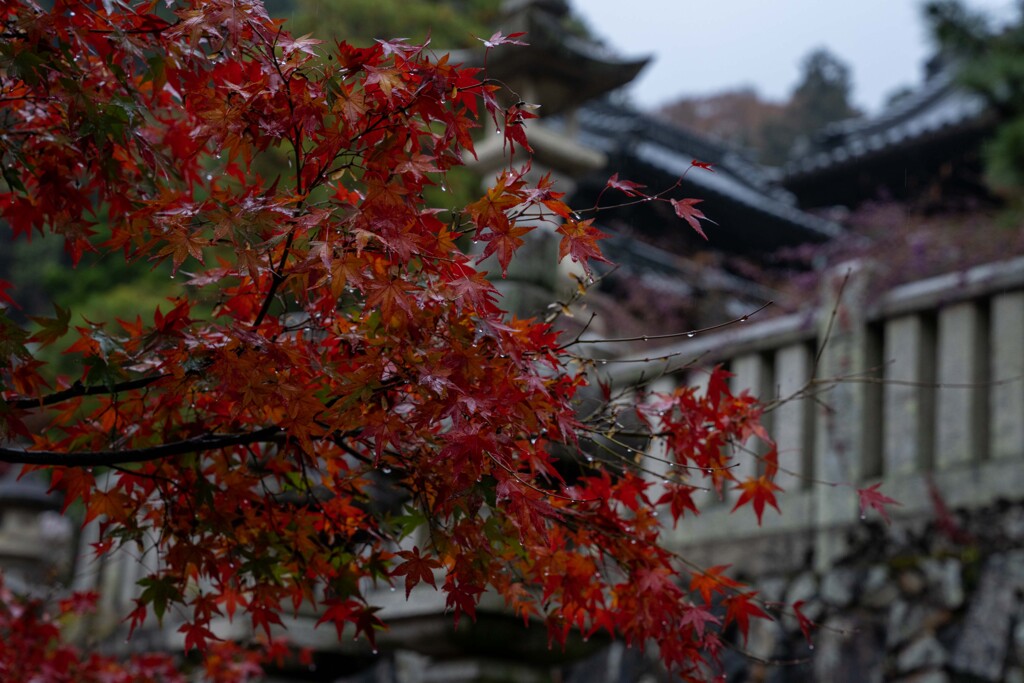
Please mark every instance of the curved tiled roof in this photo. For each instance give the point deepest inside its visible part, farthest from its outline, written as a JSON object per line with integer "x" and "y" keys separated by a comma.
{"x": 939, "y": 107}
{"x": 627, "y": 135}
{"x": 556, "y": 68}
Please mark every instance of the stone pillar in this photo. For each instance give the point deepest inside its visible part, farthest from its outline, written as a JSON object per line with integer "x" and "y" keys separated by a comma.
{"x": 751, "y": 372}
{"x": 909, "y": 404}
{"x": 793, "y": 421}
{"x": 962, "y": 425}
{"x": 536, "y": 276}
{"x": 1007, "y": 374}
{"x": 657, "y": 468}
{"x": 847, "y": 443}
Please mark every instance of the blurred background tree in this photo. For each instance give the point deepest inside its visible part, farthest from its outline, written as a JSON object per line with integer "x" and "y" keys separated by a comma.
{"x": 823, "y": 94}
{"x": 989, "y": 60}
{"x": 450, "y": 24}
{"x": 769, "y": 129}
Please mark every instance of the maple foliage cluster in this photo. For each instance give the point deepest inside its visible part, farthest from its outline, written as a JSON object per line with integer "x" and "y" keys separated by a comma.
{"x": 335, "y": 402}
{"x": 33, "y": 649}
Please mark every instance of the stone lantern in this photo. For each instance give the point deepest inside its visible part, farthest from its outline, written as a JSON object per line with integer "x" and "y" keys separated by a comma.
{"x": 557, "y": 71}
{"x": 35, "y": 539}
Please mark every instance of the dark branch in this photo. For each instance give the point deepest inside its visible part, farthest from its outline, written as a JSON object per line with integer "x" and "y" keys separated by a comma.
{"x": 674, "y": 335}
{"x": 78, "y": 389}
{"x": 206, "y": 442}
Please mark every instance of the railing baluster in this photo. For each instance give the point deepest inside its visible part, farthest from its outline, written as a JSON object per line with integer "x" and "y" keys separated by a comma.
{"x": 1007, "y": 373}
{"x": 845, "y": 451}
{"x": 962, "y": 425}
{"x": 909, "y": 403}
{"x": 752, "y": 372}
{"x": 793, "y": 421}
{"x": 657, "y": 467}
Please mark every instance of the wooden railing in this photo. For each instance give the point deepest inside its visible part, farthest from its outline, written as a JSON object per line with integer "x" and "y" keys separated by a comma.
{"x": 921, "y": 387}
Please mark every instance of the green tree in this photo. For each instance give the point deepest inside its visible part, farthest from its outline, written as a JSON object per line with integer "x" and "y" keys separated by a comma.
{"x": 823, "y": 94}
{"x": 741, "y": 117}
{"x": 989, "y": 59}
{"x": 448, "y": 23}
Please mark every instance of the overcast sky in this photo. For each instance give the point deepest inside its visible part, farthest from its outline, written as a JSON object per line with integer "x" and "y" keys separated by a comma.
{"x": 703, "y": 46}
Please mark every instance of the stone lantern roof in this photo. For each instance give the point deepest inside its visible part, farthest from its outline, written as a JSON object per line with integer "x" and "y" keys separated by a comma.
{"x": 559, "y": 68}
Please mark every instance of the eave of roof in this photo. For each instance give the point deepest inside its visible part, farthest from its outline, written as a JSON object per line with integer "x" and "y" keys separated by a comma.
{"x": 627, "y": 135}
{"x": 559, "y": 69}
{"x": 938, "y": 109}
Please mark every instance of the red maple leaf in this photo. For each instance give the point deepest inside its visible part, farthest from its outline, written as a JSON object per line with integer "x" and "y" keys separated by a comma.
{"x": 627, "y": 187}
{"x": 740, "y": 608}
{"x": 698, "y": 618}
{"x": 712, "y": 581}
{"x": 4, "y": 297}
{"x": 688, "y": 211}
{"x": 498, "y": 38}
{"x": 805, "y": 624}
{"x": 680, "y": 499}
{"x": 416, "y": 568}
{"x": 579, "y": 242}
{"x": 503, "y": 241}
{"x": 339, "y": 613}
{"x": 759, "y": 491}
{"x": 197, "y": 636}
{"x": 871, "y": 497}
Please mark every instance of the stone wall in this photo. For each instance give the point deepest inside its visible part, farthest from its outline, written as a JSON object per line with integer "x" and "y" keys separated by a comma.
{"x": 932, "y": 600}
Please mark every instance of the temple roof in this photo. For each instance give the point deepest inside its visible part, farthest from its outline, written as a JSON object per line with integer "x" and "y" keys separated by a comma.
{"x": 939, "y": 110}
{"x": 752, "y": 211}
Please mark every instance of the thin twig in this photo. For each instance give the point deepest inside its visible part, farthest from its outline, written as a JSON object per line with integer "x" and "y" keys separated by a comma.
{"x": 674, "y": 335}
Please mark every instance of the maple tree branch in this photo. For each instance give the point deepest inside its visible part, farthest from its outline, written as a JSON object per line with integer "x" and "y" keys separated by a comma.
{"x": 657, "y": 196}
{"x": 277, "y": 278}
{"x": 205, "y": 442}
{"x": 831, "y": 321}
{"x": 78, "y": 389}
{"x": 674, "y": 335}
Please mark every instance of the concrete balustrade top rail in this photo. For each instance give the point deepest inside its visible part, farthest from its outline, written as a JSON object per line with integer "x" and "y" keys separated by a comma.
{"x": 920, "y": 387}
